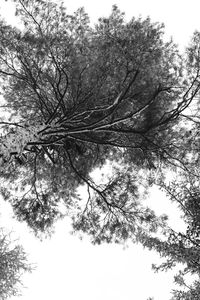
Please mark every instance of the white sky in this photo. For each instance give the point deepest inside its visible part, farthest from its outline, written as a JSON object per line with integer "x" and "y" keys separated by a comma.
{"x": 72, "y": 269}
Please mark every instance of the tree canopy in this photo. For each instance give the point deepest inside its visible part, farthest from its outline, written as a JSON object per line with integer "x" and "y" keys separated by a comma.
{"x": 77, "y": 97}
{"x": 13, "y": 263}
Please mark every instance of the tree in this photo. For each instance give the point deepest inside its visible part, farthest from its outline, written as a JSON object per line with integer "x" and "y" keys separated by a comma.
{"x": 180, "y": 247}
{"x": 183, "y": 247}
{"x": 13, "y": 263}
{"x": 79, "y": 96}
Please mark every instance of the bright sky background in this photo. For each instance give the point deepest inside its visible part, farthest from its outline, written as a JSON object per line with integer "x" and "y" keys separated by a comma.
{"x": 72, "y": 269}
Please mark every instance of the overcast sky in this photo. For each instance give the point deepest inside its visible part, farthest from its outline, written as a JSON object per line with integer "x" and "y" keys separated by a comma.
{"x": 72, "y": 269}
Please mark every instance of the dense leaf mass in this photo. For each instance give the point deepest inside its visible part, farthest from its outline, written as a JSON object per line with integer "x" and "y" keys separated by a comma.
{"x": 112, "y": 97}
{"x": 79, "y": 96}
